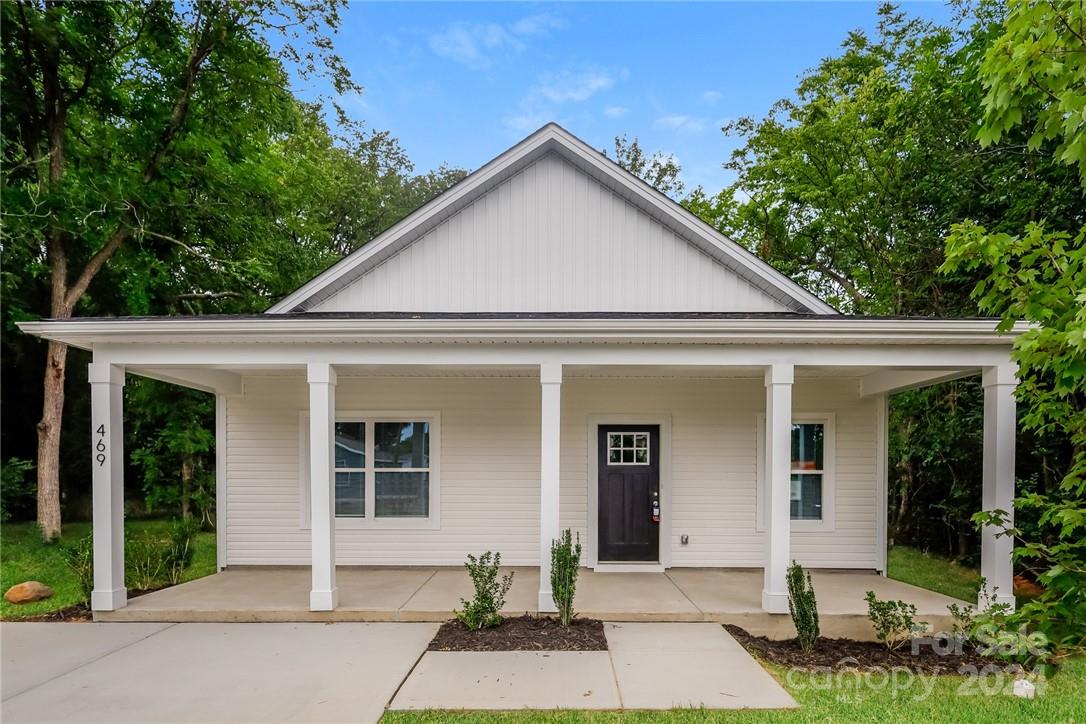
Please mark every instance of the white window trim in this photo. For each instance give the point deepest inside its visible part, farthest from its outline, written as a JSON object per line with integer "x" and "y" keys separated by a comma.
{"x": 829, "y": 473}
{"x": 371, "y": 522}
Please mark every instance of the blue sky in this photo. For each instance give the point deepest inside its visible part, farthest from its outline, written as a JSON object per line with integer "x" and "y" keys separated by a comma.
{"x": 458, "y": 83}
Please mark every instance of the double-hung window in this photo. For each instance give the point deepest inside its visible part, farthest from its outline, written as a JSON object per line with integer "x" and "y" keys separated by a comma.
{"x": 811, "y": 472}
{"x": 385, "y": 470}
{"x": 808, "y": 469}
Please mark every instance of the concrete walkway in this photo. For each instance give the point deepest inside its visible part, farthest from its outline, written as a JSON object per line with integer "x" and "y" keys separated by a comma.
{"x": 83, "y": 672}
{"x": 649, "y": 666}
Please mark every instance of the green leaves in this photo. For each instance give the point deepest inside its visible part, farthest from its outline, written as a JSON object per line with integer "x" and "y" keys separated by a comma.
{"x": 1037, "y": 68}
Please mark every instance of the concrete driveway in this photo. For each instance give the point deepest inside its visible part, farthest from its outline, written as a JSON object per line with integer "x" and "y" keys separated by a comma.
{"x": 205, "y": 672}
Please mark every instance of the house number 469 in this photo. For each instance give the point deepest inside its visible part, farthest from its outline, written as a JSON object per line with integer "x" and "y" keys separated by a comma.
{"x": 100, "y": 446}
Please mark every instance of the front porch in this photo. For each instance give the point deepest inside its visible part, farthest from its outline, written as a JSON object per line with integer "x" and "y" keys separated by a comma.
{"x": 722, "y": 595}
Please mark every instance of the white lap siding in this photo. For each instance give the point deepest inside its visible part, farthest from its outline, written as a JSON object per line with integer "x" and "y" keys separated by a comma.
{"x": 489, "y": 476}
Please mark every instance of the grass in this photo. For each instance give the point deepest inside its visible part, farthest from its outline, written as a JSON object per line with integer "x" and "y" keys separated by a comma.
{"x": 950, "y": 698}
{"x": 934, "y": 573}
{"x": 23, "y": 557}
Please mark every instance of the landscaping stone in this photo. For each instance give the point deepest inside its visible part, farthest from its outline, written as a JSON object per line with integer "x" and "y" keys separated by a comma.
{"x": 27, "y": 592}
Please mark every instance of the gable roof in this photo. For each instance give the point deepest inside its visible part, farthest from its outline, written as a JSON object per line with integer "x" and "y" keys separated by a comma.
{"x": 554, "y": 139}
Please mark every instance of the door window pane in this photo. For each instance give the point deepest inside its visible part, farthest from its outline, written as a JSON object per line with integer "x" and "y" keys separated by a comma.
{"x": 402, "y": 495}
{"x": 807, "y": 496}
{"x": 628, "y": 448}
{"x": 807, "y": 446}
{"x": 402, "y": 445}
{"x": 350, "y": 449}
{"x": 351, "y": 495}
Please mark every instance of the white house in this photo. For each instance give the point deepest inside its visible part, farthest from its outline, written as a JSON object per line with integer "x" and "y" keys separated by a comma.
{"x": 549, "y": 344}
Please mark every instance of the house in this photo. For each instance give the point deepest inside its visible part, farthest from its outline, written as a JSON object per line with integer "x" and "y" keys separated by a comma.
{"x": 549, "y": 344}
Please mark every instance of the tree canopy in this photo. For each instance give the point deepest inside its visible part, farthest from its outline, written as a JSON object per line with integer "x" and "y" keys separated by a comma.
{"x": 156, "y": 161}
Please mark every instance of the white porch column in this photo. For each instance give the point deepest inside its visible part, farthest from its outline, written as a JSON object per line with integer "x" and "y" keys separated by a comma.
{"x": 998, "y": 478}
{"x": 107, "y": 479}
{"x": 322, "y": 421}
{"x": 778, "y": 443}
{"x": 550, "y": 378}
{"x": 220, "y": 481}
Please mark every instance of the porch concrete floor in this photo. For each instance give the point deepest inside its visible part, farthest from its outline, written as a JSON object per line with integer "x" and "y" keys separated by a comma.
{"x": 430, "y": 594}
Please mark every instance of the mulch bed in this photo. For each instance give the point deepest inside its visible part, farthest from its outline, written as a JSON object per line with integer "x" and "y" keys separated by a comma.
{"x": 523, "y": 633}
{"x": 71, "y": 614}
{"x": 843, "y": 654}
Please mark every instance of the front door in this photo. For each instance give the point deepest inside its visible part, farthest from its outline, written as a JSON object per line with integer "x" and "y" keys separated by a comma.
{"x": 629, "y": 493}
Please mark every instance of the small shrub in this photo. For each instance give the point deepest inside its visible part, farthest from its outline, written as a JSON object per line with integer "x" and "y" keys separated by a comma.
{"x": 565, "y": 564}
{"x": 180, "y": 546}
{"x": 484, "y": 610}
{"x": 894, "y": 621}
{"x": 803, "y": 607}
{"x": 145, "y": 561}
{"x": 964, "y": 621}
{"x": 80, "y": 561}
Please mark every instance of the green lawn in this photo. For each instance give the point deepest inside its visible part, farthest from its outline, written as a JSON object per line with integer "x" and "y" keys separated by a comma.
{"x": 23, "y": 557}
{"x": 933, "y": 573}
{"x": 951, "y": 698}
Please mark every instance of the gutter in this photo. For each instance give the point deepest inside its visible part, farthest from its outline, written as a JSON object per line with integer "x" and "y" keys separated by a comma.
{"x": 827, "y": 330}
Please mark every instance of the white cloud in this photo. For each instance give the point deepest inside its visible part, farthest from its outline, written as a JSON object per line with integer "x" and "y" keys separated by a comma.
{"x": 615, "y": 111}
{"x": 554, "y": 90}
{"x": 569, "y": 86}
{"x": 710, "y": 97}
{"x": 537, "y": 24}
{"x": 681, "y": 123}
{"x": 476, "y": 44}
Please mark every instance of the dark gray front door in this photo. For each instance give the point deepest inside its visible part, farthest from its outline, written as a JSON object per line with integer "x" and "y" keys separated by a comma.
{"x": 629, "y": 485}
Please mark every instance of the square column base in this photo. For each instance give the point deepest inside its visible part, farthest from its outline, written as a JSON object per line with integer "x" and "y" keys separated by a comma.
{"x": 774, "y": 602}
{"x": 323, "y": 600}
{"x": 109, "y": 600}
{"x": 546, "y": 603}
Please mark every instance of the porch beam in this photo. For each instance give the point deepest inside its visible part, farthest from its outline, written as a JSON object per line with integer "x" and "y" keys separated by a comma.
{"x": 778, "y": 437}
{"x": 890, "y": 381}
{"x": 107, "y": 480}
{"x": 951, "y": 358}
{"x": 206, "y": 380}
{"x": 550, "y": 378}
{"x": 998, "y": 481}
{"x": 322, "y": 420}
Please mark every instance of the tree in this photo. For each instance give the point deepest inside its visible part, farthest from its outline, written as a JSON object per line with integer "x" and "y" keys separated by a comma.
{"x": 851, "y": 186}
{"x": 660, "y": 170}
{"x": 1036, "y": 68}
{"x": 1035, "y": 75}
{"x": 116, "y": 116}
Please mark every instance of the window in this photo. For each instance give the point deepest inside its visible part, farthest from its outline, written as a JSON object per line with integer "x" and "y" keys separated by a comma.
{"x": 627, "y": 448}
{"x": 808, "y": 469}
{"x": 350, "y": 452}
{"x": 401, "y": 456}
{"x": 385, "y": 470}
{"x": 812, "y": 472}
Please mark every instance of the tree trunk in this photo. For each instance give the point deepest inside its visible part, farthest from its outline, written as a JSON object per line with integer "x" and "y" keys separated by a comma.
{"x": 49, "y": 442}
{"x": 186, "y": 485}
{"x": 963, "y": 545}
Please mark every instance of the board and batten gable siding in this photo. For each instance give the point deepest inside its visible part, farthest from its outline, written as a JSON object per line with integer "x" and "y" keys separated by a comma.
{"x": 489, "y": 497}
{"x": 550, "y": 238}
